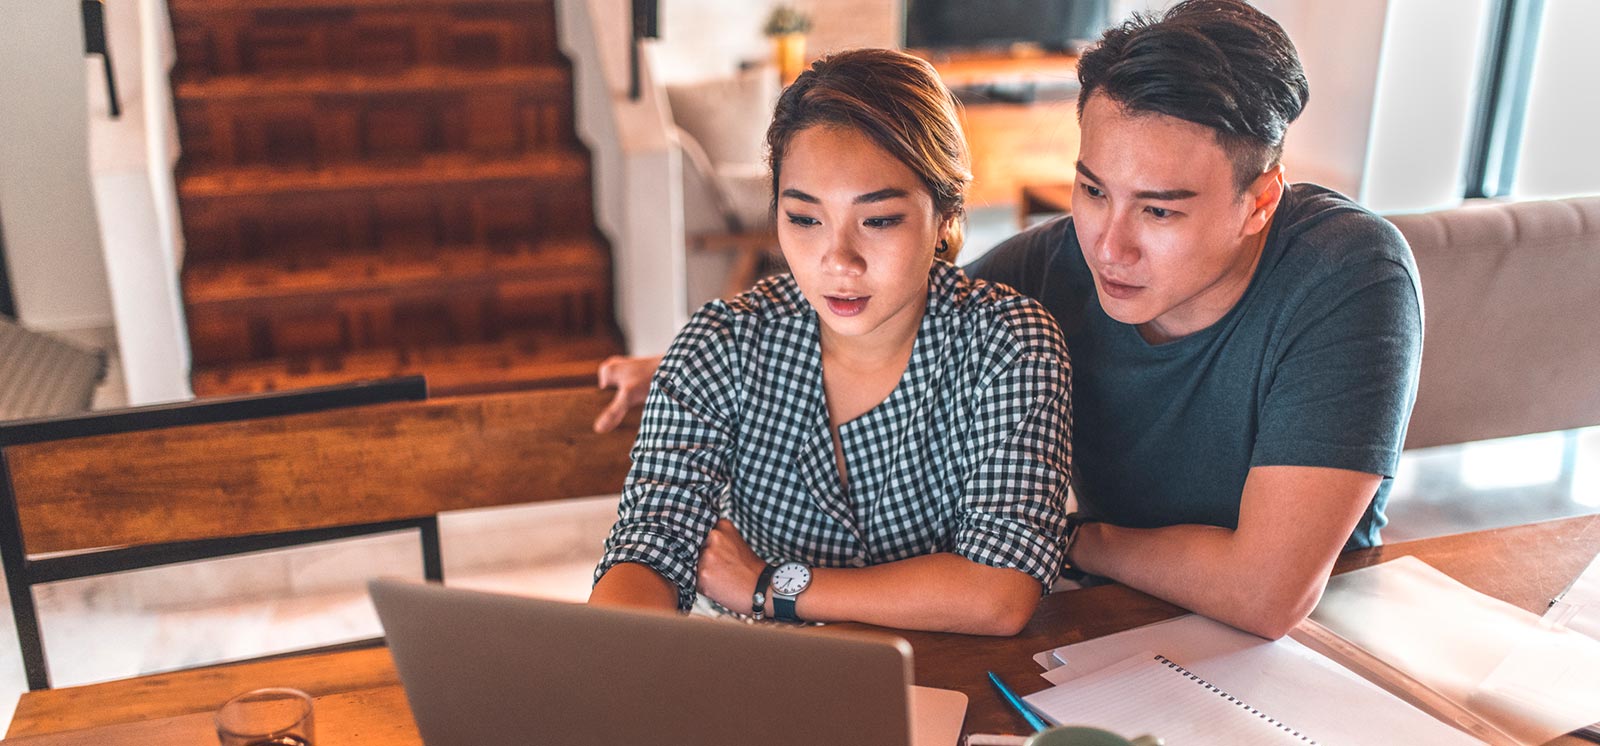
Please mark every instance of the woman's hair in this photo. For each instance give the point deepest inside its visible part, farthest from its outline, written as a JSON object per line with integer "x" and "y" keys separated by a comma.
{"x": 898, "y": 102}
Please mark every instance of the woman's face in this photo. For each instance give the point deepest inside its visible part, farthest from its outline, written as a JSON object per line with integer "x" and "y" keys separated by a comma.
{"x": 858, "y": 229}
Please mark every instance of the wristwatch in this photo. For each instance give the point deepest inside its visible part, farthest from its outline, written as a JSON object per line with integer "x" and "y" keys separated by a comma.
{"x": 758, "y": 600}
{"x": 1075, "y": 523}
{"x": 788, "y": 582}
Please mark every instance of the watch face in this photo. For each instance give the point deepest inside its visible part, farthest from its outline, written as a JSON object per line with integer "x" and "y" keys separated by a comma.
{"x": 791, "y": 578}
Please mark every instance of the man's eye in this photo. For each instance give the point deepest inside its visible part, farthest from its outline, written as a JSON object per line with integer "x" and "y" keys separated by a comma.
{"x": 802, "y": 220}
{"x": 1159, "y": 213}
{"x": 1093, "y": 191}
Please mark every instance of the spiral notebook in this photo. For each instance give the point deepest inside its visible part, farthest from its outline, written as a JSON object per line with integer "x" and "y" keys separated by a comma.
{"x": 1119, "y": 698}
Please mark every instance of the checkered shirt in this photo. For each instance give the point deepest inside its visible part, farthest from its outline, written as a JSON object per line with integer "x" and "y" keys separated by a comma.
{"x": 969, "y": 454}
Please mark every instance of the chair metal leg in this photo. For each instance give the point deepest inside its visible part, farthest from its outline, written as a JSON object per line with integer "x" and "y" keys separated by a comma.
{"x": 15, "y": 558}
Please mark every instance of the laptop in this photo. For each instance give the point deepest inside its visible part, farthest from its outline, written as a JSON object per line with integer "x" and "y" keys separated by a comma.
{"x": 486, "y": 669}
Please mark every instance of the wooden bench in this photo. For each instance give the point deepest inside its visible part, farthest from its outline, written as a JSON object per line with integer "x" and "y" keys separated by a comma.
{"x": 126, "y": 498}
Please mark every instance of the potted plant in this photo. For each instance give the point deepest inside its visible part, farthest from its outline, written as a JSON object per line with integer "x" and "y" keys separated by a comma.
{"x": 787, "y": 27}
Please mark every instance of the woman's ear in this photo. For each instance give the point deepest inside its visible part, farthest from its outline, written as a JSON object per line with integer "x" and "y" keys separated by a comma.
{"x": 950, "y": 236}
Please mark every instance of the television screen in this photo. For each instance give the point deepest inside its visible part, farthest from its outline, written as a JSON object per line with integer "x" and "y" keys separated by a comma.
{"x": 1061, "y": 25}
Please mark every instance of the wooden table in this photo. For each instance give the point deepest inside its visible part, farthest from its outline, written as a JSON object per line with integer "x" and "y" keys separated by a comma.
{"x": 359, "y": 699}
{"x": 1044, "y": 199}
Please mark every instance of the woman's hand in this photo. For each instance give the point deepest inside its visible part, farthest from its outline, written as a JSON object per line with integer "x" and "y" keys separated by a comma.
{"x": 728, "y": 568}
{"x": 630, "y": 376}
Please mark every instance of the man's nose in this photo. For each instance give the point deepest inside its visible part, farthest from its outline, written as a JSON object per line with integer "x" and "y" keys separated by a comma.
{"x": 1116, "y": 245}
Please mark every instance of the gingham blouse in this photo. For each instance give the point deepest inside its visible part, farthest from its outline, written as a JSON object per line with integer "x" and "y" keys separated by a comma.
{"x": 969, "y": 454}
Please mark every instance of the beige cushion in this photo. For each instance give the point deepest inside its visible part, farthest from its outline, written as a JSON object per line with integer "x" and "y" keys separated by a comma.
{"x": 722, "y": 125}
{"x": 1511, "y": 293}
{"x": 42, "y": 376}
{"x": 728, "y": 116}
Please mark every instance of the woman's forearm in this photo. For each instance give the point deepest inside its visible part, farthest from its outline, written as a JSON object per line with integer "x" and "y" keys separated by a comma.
{"x": 937, "y": 592}
{"x": 632, "y": 585}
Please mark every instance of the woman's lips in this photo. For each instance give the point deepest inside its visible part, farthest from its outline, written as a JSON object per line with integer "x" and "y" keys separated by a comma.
{"x": 847, "y": 305}
{"x": 1118, "y": 290}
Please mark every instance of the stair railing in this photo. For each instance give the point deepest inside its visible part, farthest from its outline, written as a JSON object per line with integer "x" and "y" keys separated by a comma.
{"x": 94, "y": 42}
{"x": 645, "y": 25}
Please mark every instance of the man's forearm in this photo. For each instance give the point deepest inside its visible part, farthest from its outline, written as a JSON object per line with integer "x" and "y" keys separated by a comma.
{"x": 1202, "y": 568}
{"x": 1263, "y": 577}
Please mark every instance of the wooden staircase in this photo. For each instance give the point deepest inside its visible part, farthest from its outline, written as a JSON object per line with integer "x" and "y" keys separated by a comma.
{"x": 384, "y": 187}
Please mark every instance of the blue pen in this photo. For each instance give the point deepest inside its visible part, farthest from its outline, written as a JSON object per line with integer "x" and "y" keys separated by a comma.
{"x": 1038, "y": 720}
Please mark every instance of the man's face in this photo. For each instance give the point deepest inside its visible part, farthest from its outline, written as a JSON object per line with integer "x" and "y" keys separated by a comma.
{"x": 1171, "y": 242}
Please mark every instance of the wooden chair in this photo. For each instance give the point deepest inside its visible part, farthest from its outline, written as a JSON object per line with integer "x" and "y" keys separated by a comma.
{"x": 145, "y": 488}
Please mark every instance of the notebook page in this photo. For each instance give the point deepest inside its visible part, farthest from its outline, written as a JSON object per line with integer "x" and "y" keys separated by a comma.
{"x": 1148, "y": 695}
{"x": 1282, "y": 677}
{"x": 1500, "y": 662}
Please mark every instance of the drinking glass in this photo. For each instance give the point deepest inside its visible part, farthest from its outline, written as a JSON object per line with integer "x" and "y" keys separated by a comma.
{"x": 266, "y": 717}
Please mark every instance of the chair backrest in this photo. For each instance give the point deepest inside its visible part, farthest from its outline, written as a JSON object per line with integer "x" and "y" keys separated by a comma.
{"x": 94, "y": 494}
{"x": 385, "y": 462}
{"x": 1509, "y": 293}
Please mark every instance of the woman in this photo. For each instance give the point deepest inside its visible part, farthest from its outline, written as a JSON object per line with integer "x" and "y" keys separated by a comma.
{"x": 874, "y": 437}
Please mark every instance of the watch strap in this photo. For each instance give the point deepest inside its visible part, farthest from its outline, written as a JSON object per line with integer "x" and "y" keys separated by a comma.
{"x": 783, "y": 609}
{"x": 758, "y": 600}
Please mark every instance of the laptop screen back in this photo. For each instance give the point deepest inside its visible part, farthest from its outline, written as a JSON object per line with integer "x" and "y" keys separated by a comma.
{"x": 485, "y": 669}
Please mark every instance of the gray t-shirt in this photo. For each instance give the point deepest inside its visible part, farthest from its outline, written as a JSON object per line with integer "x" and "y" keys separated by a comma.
{"x": 1315, "y": 366}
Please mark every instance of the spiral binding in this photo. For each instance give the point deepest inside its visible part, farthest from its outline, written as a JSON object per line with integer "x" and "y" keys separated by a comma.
{"x": 1234, "y": 700}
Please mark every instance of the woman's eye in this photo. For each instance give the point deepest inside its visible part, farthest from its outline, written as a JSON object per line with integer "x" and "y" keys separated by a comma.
{"x": 882, "y": 222}
{"x": 802, "y": 220}
{"x": 1093, "y": 191}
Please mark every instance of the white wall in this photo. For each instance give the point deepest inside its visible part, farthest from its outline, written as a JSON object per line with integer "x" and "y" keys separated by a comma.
{"x": 131, "y": 160}
{"x": 703, "y": 39}
{"x": 52, "y": 241}
{"x": 637, "y": 172}
{"x": 1426, "y": 96}
{"x": 1561, "y": 136}
{"x": 1339, "y": 44}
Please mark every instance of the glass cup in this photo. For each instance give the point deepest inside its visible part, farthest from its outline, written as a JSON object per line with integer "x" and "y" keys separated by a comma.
{"x": 266, "y": 717}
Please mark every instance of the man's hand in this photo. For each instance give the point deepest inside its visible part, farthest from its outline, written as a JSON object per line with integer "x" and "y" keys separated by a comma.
{"x": 630, "y": 376}
{"x": 728, "y": 569}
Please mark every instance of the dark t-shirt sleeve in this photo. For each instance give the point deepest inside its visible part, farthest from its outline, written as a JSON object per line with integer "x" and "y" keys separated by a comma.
{"x": 1346, "y": 376}
{"x": 1023, "y": 260}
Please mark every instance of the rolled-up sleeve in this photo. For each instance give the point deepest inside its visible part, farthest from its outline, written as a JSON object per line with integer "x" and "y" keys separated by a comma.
{"x": 1012, "y": 510}
{"x": 681, "y": 457}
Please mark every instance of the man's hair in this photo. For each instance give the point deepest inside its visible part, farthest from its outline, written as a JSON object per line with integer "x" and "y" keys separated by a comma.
{"x": 1221, "y": 64}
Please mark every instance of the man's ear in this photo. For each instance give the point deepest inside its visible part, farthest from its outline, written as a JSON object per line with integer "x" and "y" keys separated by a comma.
{"x": 1265, "y": 193}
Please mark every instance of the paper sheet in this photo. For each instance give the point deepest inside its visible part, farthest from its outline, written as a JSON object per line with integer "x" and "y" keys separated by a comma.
{"x": 1503, "y": 664}
{"x": 1579, "y": 608}
{"x": 1142, "y": 695}
{"x": 1283, "y": 678}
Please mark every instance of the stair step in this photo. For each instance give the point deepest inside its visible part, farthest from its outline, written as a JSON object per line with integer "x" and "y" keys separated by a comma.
{"x": 233, "y": 89}
{"x": 240, "y": 311}
{"x": 274, "y": 37}
{"x": 517, "y": 362}
{"x": 331, "y": 118}
{"x": 234, "y": 6}
{"x": 259, "y": 212}
{"x": 427, "y": 171}
{"x": 564, "y": 266}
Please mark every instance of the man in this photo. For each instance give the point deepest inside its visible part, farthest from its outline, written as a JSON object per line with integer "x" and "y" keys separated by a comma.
{"x": 1245, "y": 352}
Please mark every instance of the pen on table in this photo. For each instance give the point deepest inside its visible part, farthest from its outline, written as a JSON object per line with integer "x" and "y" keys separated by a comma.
{"x": 1038, "y": 720}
